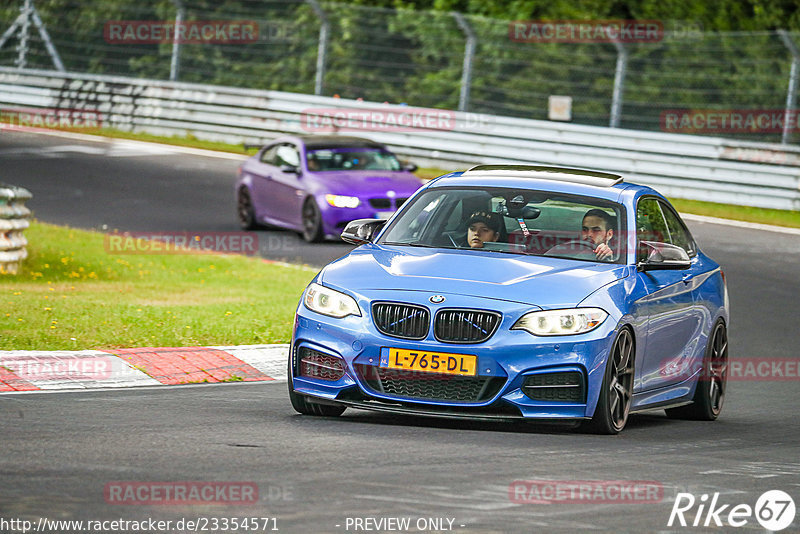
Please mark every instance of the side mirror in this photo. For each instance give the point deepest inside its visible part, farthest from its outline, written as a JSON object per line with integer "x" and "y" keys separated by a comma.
{"x": 663, "y": 256}
{"x": 410, "y": 167}
{"x": 291, "y": 169}
{"x": 362, "y": 231}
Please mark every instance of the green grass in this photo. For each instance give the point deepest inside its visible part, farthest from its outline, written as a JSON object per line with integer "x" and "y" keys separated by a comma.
{"x": 726, "y": 211}
{"x": 71, "y": 294}
{"x": 739, "y": 213}
{"x": 187, "y": 141}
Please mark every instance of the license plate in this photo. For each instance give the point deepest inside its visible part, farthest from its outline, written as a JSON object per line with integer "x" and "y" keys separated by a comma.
{"x": 429, "y": 362}
{"x": 384, "y": 215}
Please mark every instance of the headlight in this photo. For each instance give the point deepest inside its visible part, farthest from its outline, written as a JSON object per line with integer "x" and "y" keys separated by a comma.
{"x": 561, "y": 322}
{"x": 329, "y": 302}
{"x": 341, "y": 201}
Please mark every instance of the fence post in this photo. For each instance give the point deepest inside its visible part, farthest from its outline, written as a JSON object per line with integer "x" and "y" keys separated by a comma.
{"x": 790, "y": 93}
{"x": 13, "y": 221}
{"x": 28, "y": 15}
{"x": 24, "y": 31}
{"x": 174, "y": 64}
{"x": 619, "y": 84}
{"x": 469, "y": 54}
{"x": 322, "y": 46}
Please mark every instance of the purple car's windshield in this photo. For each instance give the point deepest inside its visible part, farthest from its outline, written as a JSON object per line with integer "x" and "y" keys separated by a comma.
{"x": 514, "y": 221}
{"x": 352, "y": 159}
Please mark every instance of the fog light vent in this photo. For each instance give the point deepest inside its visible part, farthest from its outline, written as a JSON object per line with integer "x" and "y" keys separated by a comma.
{"x": 314, "y": 364}
{"x": 558, "y": 387}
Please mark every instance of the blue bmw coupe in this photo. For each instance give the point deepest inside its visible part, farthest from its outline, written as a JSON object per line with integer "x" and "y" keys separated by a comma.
{"x": 517, "y": 292}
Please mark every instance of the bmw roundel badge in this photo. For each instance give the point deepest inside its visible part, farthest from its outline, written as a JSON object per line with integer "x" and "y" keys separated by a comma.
{"x": 437, "y": 299}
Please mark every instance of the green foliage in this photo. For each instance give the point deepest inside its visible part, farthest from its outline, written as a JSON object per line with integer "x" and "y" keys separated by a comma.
{"x": 412, "y": 51}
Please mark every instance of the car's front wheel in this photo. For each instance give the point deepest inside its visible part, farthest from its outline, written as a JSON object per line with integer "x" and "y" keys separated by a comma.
{"x": 614, "y": 404}
{"x": 312, "y": 222}
{"x": 245, "y": 210}
{"x": 710, "y": 392}
{"x": 303, "y": 406}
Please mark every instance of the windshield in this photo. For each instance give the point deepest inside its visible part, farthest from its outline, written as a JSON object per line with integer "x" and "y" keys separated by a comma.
{"x": 515, "y": 221}
{"x": 352, "y": 159}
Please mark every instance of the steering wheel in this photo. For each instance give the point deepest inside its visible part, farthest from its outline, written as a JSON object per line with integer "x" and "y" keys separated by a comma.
{"x": 580, "y": 242}
{"x": 568, "y": 246}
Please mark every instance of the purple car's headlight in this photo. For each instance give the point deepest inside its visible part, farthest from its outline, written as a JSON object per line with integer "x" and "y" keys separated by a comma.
{"x": 561, "y": 322}
{"x": 342, "y": 201}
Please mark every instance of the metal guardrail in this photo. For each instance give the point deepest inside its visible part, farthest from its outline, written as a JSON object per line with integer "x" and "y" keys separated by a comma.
{"x": 13, "y": 221}
{"x": 684, "y": 166}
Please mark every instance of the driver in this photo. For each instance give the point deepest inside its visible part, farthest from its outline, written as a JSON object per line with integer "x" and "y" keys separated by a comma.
{"x": 596, "y": 229}
{"x": 482, "y": 227}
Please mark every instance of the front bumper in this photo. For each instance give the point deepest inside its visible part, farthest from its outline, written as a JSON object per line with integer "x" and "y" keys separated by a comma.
{"x": 335, "y": 219}
{"x": 506, "y": 361}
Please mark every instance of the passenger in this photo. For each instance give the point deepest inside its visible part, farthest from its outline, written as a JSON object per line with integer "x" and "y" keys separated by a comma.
{"x": 483, "y": 227}
{"x": 596, "y": 228}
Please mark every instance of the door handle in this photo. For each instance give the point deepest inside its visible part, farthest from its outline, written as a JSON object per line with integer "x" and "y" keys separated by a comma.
{"x": 687, "y": 278}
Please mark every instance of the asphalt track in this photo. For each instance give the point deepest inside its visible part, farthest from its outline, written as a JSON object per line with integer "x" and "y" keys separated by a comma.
{"x": 59, "y": 450}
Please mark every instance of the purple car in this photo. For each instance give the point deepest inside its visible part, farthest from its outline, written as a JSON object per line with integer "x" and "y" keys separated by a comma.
{"x": 315, "y": 185}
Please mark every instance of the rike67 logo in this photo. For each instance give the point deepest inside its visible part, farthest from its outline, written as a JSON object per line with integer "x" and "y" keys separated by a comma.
{"x": 774, "y": 511}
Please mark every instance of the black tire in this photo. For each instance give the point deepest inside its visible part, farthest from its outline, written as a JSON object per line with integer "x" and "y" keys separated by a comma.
{"x": 709, "y": 395}
{"x": 614, "y": 404}
{"x": 312, "y": 222}
{"x": 303, "y": 406}
{"x": 245, "y": 211}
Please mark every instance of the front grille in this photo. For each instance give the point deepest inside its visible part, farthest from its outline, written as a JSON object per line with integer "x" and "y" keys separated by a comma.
{"x": 430, "y": 386}
{"x": 400, "y": 201}
{"x": 380, "y": 203}
{"x": 465, "y": 326}
{"x": 315, "y": 364}
{"x": 401, "y": 320}
{"x": 560, "y": 387}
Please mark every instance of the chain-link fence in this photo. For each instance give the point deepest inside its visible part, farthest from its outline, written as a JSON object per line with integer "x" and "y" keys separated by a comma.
{"x": 430, "y": 59}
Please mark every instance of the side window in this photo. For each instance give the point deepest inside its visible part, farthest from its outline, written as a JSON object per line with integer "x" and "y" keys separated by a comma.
{"x": 650, "y": 224}
{"x": 678, "y": 232}
{"x": 456, "y": 219}
{"x": 420, "y": 216}
{"x": 287, "y": 155}
{"x": 268, "y": 156}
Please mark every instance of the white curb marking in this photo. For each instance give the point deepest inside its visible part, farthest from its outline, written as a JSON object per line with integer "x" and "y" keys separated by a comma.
{"x": 269, "y": 359}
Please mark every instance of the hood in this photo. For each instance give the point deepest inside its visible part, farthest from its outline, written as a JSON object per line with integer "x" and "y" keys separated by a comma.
{"x": 366, "y": 183}
{"x": 534, "y": 280}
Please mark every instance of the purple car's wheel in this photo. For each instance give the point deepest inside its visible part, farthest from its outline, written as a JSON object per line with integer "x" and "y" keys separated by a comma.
{"x": 312, "y": 222}
{"x": 614, "y": 404}
{"x": 710, "y": 392}
{"x": 245, "y": 211}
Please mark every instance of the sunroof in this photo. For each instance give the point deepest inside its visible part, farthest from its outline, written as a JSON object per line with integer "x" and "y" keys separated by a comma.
{"x": 562, "y": 174}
